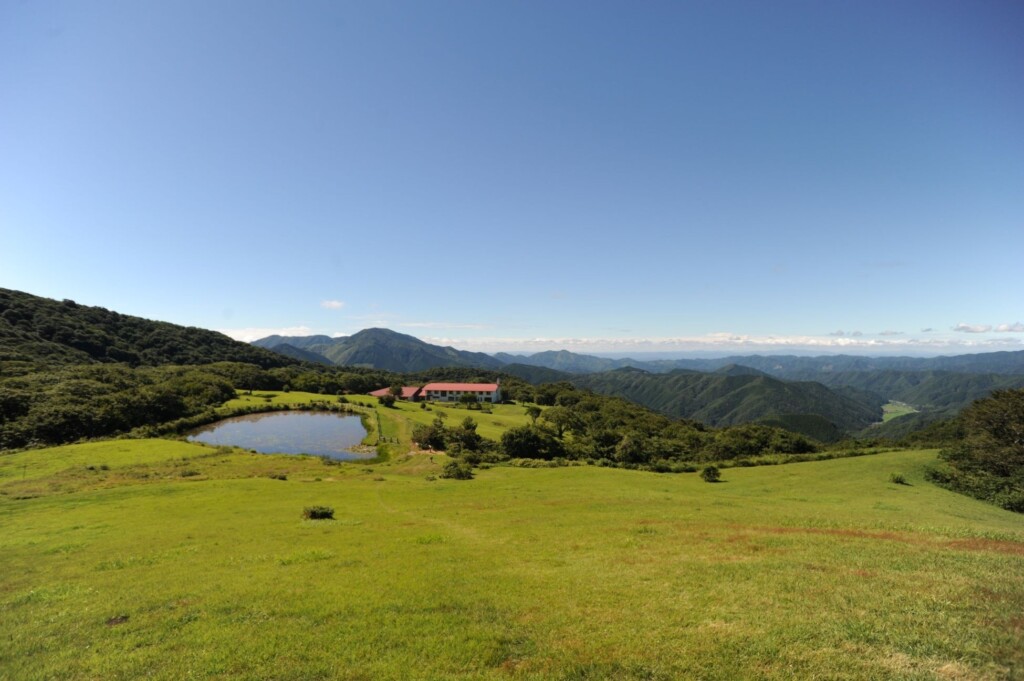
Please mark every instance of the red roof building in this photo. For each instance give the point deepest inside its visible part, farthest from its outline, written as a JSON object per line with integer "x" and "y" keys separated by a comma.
{"x": 409, "y": 392}
{"x": 452, "y": 392}
{"x": 447, "y": 392}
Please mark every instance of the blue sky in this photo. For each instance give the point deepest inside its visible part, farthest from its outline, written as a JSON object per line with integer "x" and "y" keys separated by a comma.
{"x": 608, "y": 177}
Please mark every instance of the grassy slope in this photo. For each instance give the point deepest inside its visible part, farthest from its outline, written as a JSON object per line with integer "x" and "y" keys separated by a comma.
{"x": 399, "y": 421}
{"x": 806, "y": 570}
{"x": 894, "y": 410}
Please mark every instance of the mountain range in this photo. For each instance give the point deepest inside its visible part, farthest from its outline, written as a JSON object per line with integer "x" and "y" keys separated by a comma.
{"x": 824, "y": 396}
{"x": 378, "y": 349}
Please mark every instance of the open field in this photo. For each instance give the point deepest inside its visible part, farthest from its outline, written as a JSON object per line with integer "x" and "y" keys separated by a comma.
{"x": 131, "y": 569}
{"x": 397, "y": 422}
{"x": 490, "y": 426}
{"x": 892, "y": 410}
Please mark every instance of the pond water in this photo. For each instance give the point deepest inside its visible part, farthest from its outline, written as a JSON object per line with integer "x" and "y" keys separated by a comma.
{"x": 288, "y": 432}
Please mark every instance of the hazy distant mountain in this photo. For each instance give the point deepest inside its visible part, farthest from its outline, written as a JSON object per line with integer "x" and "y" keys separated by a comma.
{"x": 925, "y": 390}
{"x": 782, "y": 366}
{"x": 298, "y": 353}
{"x": 300, "y": 342}
{"x": 535, "y": 374}
{"x": 384, "y": 349}
{"x": 791, "y": 366}
{"x": 734, "y": 370}
{"x": 572, "y": 362}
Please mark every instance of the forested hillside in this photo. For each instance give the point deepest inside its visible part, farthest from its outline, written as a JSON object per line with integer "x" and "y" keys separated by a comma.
{"x": 37, "y": 331}
{"x": 734, "y": 397}
{"x": 379, "y": 349}
{"x": 988, "y": 462}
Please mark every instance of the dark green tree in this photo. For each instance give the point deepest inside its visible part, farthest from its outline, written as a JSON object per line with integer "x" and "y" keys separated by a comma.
{"x": 989, "y": 463}
{"x": 561, "y": 419}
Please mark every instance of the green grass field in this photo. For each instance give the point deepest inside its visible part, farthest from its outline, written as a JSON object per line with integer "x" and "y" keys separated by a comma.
{"x": 397, "y": 422}
{"x": 167, "y": 560}
{"x": 892, "y": 410}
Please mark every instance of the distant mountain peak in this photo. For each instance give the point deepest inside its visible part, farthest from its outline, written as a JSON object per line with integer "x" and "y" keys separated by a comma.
{"x": 381, "y": 348}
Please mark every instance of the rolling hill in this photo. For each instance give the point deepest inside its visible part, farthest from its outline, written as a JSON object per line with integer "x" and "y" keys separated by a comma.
{"x": 36, "y": 331}
{"x": 733, "y": 398}
{"x": 383, "y": 349}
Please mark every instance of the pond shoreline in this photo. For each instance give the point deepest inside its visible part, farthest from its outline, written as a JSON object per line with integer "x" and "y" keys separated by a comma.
{"x": 328, "y": 433}
{"x": 179, "y": 427}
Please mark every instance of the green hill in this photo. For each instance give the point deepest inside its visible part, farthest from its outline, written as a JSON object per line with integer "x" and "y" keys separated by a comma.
{"x": 300, "y": 354}
{"x": 38, "y": 331}
{"x": 729, "y": 399}
{"x": 534, "y": 374}
{"x": 384, "y": 349}
{"x": 300, "y": 342}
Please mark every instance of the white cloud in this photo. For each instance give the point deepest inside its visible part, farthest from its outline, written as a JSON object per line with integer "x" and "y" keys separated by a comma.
{"x": 252, "y": 333}
{"x": 726, "y": 343}
{"x": 332, "y": 304}
{"x": 890, "y": 333}
{"x": 840, "y": 333}
{"x": 441, "y": 325}
{"x": 972, "y": 328}
{"x": 1010, "y": 328}
{"x": 928, "y": 330}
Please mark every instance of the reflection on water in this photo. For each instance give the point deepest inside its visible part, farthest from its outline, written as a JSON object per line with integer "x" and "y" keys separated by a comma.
{"x": 289, "y": 432}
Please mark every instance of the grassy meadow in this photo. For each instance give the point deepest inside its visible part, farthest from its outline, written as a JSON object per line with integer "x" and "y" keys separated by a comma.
{"x": 161, "y": 559}
{"x": 893, "y": 410}
{"x": 396, "y": 422}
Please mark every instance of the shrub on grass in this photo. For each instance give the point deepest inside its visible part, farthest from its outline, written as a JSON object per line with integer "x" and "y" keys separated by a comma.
{"x": 318, "y": 513}
{"x": 898, "y": 479}
{"x": 457, "y": 470}
{"x": 710, "y": 474}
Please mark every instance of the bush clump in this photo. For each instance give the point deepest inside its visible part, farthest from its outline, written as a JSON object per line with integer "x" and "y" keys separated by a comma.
{"x": 318, "y": 513}
{"x": 711, "y": 474}
{"x": 457, "y": 470}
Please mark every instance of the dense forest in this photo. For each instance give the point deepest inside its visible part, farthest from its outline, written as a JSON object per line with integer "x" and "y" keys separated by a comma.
{"x": 38, "y": 332}
{"x": 988, "y": 460}
{"x": 734, "y": 397}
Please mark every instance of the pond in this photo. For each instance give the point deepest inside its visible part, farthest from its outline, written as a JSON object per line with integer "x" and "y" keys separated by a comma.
{"x": 288, "y": 432}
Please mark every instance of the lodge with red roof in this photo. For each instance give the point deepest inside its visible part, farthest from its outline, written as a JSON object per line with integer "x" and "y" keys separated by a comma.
{"x": 447, "y": 392}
